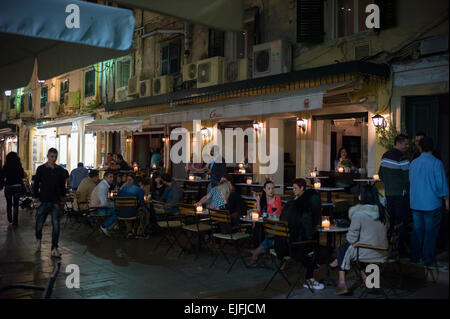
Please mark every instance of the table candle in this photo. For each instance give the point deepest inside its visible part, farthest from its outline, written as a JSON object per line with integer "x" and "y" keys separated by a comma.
{"x": 191, "y": 177}
{"x": 325, "y": 222}
{"x": 313, "y": 174}
{"x": 199, "y": 209}
{"x": 249, "y": 181}
{"x": 376, "y": 176}
{"x": 101, "y": 166}
{"x": 154, "y": 166}
{"x": 135, "y": 168}
{"x": 241, "y": 165}
{"x": 340, "y": 169}
{"x": 151, "y": 175}
{"x": 242, "y": 170}
{"x": 255, "y": 216}
{"x": 317, "y": 185}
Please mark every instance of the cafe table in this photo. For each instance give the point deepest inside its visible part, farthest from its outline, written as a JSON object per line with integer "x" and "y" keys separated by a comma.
{"x": 199, "y": 183}
{"x": 367, "y": 180}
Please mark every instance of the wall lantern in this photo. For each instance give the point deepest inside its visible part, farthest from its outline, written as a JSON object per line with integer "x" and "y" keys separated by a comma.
{"x": 378, "y": 121}
{"x": 257, "y": 125}
{"x": 205, "y": 132}
{"x": 302, "y": 124}
{"x": 165, "y": 138}
{"x": 8, "y": 93}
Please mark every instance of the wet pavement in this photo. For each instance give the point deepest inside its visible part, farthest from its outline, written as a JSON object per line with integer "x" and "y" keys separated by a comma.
{"x": 121, "y": 268}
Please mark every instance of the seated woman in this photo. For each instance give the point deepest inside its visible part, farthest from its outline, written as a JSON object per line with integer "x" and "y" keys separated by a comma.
{"x": 368, "y": 226}
{"x": 343, "y": 160}
{"x": 236, "y": 205}
{"x": 217, "y": 196}
{"x": 158, "y": 187}
{"x": 268, "y": 202}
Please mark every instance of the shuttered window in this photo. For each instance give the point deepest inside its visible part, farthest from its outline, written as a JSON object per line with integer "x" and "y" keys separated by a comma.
{"x": 64, "y": 88}
{"x": 170, "y": 58}
{"x": 310, "y": 21}
{"x": 44, "y": 92}
{"x": 216, "y": 45}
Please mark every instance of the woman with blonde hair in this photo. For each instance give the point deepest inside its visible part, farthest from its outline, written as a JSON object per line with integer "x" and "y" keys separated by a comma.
{"x": 218, "y": 196}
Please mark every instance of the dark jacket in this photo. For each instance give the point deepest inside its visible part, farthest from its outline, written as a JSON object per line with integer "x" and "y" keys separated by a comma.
{"x": 394, "y": 172}
{"x": 218, "y": 171}
{"x": 157, "y": 193}
{"x": 50, "y": 184}
{"x": 237, "y": 208}
{"x": 10, "y": 177}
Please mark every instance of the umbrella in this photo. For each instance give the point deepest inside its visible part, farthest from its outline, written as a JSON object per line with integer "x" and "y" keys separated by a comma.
{"x": 61, "y": 35}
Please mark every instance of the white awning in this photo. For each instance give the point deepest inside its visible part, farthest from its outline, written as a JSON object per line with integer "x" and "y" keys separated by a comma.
{"x": 64, "y": 121}
{"x": 285, "y": 102}
{"x": 129, "y": 124}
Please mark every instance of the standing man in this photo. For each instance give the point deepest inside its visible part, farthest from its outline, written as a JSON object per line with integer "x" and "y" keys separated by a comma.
{"x": 105, "y": 206}
{"x": 429, "y": 189}
{"x": 49, "y": 192}
{"x": 156, "y": 159}
{"x": 394, "y": 170}
{"x": 77, "y": 175}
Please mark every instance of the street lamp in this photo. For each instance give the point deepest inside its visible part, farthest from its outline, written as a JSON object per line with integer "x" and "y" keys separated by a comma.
{"x": 378, "y": 121}
{"x": 302, "y": 124}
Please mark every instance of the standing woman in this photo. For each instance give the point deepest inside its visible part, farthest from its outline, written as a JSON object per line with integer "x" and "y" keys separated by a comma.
{"x": 11, "y": 177}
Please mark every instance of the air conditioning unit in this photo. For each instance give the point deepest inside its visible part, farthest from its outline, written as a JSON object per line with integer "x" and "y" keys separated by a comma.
{"x": 72, "y": 100}
{"x": 133, "y": 86}
{"x": 210, "y": 71}
{"x": 190, "y": 72}
{"x": 271, "y": 58}
{"x": 145, "y": 88}
{"x": 121, "y": 94}
{"x": 237, "y": 70}
{"x": 162, "y": 85}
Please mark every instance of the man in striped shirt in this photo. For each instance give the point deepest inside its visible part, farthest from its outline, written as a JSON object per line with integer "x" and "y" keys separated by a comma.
{"x": 394, "y": 172}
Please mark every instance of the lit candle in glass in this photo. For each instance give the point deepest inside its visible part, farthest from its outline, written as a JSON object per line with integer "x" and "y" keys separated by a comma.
{"x": 317, "y": 185}
{"x": 255, "y": 216}
{"x": 199, "y": 209}
{"x": 241, "y": 165}
{"x": 101, "y": 166}
{"x": 191, "y": 177}
{"x": 154, "y": 166}
{"x": 341, "y": 170}
{"x": 376, "y": 176}
{"x": 249, "y": 180}
{"x": 151, "y": 175}
{"x": 313, "y": 174}
{"x": 242, "y": 171}
{"x": 326, "y": 222}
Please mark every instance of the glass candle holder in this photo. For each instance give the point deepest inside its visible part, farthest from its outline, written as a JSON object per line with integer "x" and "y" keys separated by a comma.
{"x": 241, "y": 165}
{"x": 317, "y": 185}
{"x": 313, "y": 174}
{"x": 191, "y": 177}
{"x": 341, "y": 170}
{"x": 375, "y": 176}
{"x": 199, "y": 209}
{"x": 326, "y": 222}
{"x": 255, "y": 216}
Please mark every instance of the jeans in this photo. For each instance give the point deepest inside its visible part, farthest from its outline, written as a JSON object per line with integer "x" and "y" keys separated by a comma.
{"x": 425, "y": 232}
{"x": 41, "y": 215}
{"x": 398, "y": 209}
{"x": 12, "y": 194}
{"x": 111, "y": 219}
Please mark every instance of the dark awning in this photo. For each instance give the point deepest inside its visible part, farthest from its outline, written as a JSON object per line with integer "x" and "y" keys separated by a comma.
{"x": 40, "y": 30}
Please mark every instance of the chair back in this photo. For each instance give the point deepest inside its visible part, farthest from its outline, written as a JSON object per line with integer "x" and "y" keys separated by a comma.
{"x": 159, "y": 207}
{"x": 250, "y": 203}
{"x": 220, "y": 216}
{"x": 276, "y": 227}
{"x": 126, "y": 206}
{"x": 187, "y": 213}
{"x": 80, "y": 205}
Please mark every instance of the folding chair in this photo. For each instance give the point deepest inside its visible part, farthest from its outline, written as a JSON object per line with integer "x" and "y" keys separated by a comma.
{"x": 250, "y": 203}
{"x": 81, "y": 209}
{"x": 97, "y": 218}
{"x": 193, "y": 224}
{"x": 169, "y": 222}
{"x": 281, "y": 230}
{"x": 220, "y": 217}
{"x": 392, "y": 257}
{"x": 126, "y": 209}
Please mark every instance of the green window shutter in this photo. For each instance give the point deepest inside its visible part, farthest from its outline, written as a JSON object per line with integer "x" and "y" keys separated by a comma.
{"x": 22, "y": 103}
{"x": 44, "y": 91}
{"x": 388, "y": 13}
{"x": 30, "y": 101}
{"x": 12, "y": 102}
{"x": 89, "y": 83}
{"x": 310, "y": 21}
{"x": 165, "y": 60}
{"x": 174, "y": 54}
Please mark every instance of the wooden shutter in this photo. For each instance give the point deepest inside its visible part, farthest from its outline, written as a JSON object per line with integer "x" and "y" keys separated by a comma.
{"x": 387, "y": 13}
{"x": 310, "y": 21}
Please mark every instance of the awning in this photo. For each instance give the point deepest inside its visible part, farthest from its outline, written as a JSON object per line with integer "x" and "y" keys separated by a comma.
{"x": 286, "y": 102}
{"x": 63, "y": 122}
{"x": 5, "y": 131}
{"x": 43, "y": 31}
{"x": 218, "y": 14}
{"x": 129, "y": 124}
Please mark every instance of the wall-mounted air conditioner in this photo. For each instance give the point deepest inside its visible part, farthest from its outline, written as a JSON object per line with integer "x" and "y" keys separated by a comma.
{"x": 133, "y": 86}
{"x": 145, "y": 88}
{"x": 271, "y": 58}
{"x": 237, "y": 70}
{"x": 190, "y": 72}
{"x": 210, "y": 71}
{"x": 162, "y": 85}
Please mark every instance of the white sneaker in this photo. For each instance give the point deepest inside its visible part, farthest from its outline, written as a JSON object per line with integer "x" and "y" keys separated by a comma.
{"x": 56, "y": 253}
{"x": 314, "y": 284}
{"x": 438, "y": 266}
{"x": 38, "y": 246}
{"x": 105, "y": 231}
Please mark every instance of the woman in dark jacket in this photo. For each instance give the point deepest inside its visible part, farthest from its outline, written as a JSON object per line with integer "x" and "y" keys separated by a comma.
{"x": 299, "y": 213}
{"x": 11, "y": 177}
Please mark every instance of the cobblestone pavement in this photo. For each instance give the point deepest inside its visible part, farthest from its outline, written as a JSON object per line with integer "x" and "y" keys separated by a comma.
{"x": 121, "y": 268}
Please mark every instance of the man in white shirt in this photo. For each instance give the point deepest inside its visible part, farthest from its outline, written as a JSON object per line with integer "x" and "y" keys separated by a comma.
{"x": 105, "y": 206}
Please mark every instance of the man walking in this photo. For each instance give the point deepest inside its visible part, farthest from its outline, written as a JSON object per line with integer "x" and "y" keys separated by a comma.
{"x": 428, "y": 189}
{"x": 49, "y": 192}
{"x": 77, "y": 175}
{"x": 394, "y": 169}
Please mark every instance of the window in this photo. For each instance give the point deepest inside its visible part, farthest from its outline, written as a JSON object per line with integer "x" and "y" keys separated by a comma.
{"x": 64, "y": 89}
{"x": 89, "y": 83}
{"x": 351, "y": 16}
{"x": 89, "y": 149}
{"x": 170, "y": 58}
{"x": 216, "y": 43}
{"x": 123, "y": 73}
{"x": 22, "y": 103}
{"x": 44, "y": 95}
{"x": 30, "y": 101}
{"x": 12, "y": 102}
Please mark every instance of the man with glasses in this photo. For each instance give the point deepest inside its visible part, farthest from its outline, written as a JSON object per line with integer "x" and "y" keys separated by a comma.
{"x": 49, "y": 192}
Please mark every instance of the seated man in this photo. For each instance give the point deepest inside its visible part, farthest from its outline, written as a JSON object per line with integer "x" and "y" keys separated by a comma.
{"x": 84, "y": 191}
{"x": 105, "y": 206}
{"x": 77, "y": 175}
{"x": 131, "y": 189}
{"x": 173, "y": 194}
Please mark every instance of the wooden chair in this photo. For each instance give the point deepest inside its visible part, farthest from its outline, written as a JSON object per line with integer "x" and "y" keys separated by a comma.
{"x": 221, "y": 218}
{"x": 281, "y": 230}
{"x": 169, "y": 222}
{"x": 251, "y": 203}
{"x": 98, "y": 219}
{"x": 392, "y": 257}
{"x": 193, "y": 224}
{"x": 126, "y": 209}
